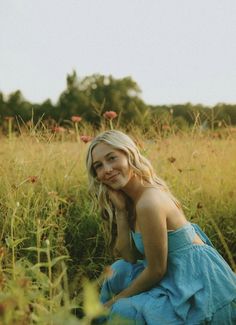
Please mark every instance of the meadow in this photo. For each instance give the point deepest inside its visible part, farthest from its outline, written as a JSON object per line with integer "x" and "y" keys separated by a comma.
{"x": 51, "y": 240}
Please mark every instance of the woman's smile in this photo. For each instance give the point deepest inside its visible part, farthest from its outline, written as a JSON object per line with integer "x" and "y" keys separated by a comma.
{"x": 113, "y": 178}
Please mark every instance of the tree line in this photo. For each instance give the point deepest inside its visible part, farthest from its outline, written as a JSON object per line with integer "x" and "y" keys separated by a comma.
{"x": 91, "y": 96}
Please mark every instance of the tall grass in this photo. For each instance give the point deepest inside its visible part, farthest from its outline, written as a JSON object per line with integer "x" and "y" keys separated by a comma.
{"x": 50, "y": 240}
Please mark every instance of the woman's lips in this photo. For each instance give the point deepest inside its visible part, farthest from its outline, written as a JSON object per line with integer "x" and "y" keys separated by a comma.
{"x": 113, "y": 177}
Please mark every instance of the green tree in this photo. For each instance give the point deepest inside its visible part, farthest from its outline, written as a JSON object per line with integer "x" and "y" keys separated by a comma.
{"x": 91, "y": 96}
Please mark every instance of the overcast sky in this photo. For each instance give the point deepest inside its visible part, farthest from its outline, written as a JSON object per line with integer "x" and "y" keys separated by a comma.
{"x": 177, "y": 51}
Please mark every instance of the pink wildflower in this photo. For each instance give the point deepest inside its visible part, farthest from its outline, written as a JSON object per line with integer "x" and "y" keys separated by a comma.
{"x": 110, "y": 115}
{"x": 58, "y": 129}
{"x": 32, "y": 179}
{"x": 9, "y": 118}
{"x": 76, "y": 118}
{"x": 166, "y": 127}
{"x": 86, "y": 138}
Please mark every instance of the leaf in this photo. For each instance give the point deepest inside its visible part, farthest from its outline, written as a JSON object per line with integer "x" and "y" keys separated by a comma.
{"x": 38, "y": 265}
{"x": 58, "y": 280}
{"x": 18, "y": 241}
{"x": 59, "y": 258}
{"x": 92, "y": 306}
{"x": 36, "y": 249}
{"x": 14, "y": 243}
{"x": 9, "y": 242}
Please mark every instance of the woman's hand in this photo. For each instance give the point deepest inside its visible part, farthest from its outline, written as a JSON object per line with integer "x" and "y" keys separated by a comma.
{"x": 117, "y": 198}
{"x": 110, "y": 302}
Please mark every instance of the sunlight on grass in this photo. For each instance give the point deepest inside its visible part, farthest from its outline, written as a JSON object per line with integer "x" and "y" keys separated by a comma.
{"x": 50, "y": 240}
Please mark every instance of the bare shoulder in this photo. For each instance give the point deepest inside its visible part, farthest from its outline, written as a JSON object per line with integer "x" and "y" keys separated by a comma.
{"x": 152, "y": 198}
{"x": 151, "y": 213}
{"x": 158, "y": 207}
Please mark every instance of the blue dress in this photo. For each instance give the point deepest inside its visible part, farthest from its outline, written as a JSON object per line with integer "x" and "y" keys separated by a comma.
{"x": 199, "y": 287}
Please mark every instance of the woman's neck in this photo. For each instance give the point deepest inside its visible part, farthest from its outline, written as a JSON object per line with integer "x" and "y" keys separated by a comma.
{"x": 134, "y": 188}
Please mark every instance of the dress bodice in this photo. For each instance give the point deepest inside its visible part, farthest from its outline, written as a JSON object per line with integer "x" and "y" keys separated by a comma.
{"x": 179, "y": 238}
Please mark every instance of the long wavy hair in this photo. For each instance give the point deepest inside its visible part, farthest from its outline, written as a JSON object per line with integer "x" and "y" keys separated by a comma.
{"x": 137, "y": 162}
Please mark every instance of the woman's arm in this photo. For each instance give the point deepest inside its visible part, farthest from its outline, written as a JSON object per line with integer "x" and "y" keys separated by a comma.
{"x": 124, "y": 244}
{"x": 151, "y": 218}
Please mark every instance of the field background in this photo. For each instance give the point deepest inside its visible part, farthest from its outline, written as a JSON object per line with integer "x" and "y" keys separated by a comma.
{"x": 51, "y": 239}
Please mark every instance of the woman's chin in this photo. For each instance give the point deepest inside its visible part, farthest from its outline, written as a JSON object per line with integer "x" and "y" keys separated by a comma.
{"x": 116, "y": 186}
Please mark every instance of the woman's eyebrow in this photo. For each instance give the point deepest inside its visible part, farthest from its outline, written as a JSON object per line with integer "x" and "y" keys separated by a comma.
{"x": 107, "y": 155}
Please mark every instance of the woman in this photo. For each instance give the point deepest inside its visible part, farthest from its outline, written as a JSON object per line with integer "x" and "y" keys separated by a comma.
{"x": 169, "y": 272}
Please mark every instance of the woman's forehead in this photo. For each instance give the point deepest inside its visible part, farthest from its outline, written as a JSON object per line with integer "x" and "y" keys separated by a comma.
{"x": 101, "y": 150}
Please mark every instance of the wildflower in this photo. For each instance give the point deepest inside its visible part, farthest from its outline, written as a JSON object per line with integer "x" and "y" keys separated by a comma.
{"x": 76, "y": 118}
{"x": 165, "y": 127}
{"x": 2, "y": 309}
{"x": 24, "y": 282}
{"x": 9, "y": 118}
{"x": 110, "y": 115}
{"x": 32, "y": 179}
{"x": 172, "y": 159}
{"x": 58, "y": 129}
{"x": 2, "y": 252}
{"x": 199, "y": 205}
{"x": 86, "y": 138}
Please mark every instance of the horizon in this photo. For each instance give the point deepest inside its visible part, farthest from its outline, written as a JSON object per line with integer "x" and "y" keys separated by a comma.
{"x": 54, "y": 102}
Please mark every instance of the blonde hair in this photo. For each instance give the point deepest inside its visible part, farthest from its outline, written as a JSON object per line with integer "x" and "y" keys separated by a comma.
{"x": 138, "y": 163}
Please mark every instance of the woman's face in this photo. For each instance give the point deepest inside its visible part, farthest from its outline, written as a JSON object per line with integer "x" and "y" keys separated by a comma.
{"x": 111, "y": 166}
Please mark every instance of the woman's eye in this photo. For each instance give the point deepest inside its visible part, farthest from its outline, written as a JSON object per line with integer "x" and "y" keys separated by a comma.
{"x": 112, "y": 158}
{"x": 96, "y": 167}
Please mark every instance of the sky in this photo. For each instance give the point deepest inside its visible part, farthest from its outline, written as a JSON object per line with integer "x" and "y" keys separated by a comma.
{"x": 177, "y": 51}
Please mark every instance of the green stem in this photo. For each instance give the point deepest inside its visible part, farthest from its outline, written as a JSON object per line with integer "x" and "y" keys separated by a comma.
{"x": 38, "y": 234}
{"x": 111, "y": 125}
{"x": 10, "y": 128}
{"x": 49, "y": 272}
{"x": 12, "y": 245}
{"x": 76, "y": 131}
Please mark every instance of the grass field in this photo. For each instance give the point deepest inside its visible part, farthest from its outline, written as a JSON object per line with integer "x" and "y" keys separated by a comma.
{"x": 50, "y": 239}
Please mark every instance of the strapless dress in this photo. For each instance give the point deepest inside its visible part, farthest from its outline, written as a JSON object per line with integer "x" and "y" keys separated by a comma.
{"x": 199, "y": 287}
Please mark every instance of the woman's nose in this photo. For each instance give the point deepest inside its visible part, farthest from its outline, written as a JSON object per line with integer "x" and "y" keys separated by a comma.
{"x": 107, "y": 168}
